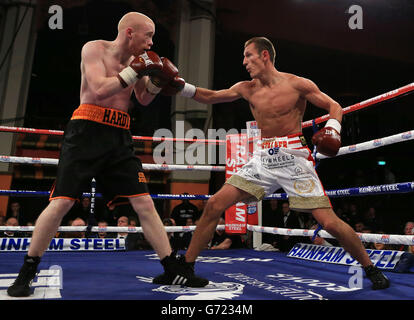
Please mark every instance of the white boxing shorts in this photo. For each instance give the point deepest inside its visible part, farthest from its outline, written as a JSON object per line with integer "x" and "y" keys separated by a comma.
{"x": 283, "y": 162}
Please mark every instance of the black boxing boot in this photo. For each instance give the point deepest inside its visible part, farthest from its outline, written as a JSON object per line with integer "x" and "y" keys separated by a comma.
{"x": 179, "y": 272}
{"x": 21, "y": 286}
{"x": 378, "y": 279}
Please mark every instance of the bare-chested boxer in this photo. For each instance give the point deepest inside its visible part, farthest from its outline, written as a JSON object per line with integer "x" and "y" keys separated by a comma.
{"x": 97, "y": 141}
{"x": 278, "y": 101}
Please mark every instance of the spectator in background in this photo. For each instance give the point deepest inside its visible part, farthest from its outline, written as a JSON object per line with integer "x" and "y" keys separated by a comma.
{"x": 28, "y": 234}
{"x": 371, "y": 220}
{"x": 103, "y": 235}
{"x": 123, "y": 221}
{"x": 133, "y": 222}
{"x": 409, "y": 231}
{"x": 133, "y": 240}
{"x": 359, "y": 226}
{"x": 367, "y": 244}
{"x": 222, "y": 241}
{"x": 352, "y": 215}
{"x": 184, "y": 210}
{"x": 382, "y": 246}
{"x": 344, "y": 216}
{"x": 10, "y": 222}
{"x": 80, "y": 209}
{"x": 271, "y": 210}
{"x": 182, "y": 239}
{"x": 78, "y": 222}
{"x": 84, "y": 208}
{"x": 288, "y": 219}
{"x": 16, "y": 211}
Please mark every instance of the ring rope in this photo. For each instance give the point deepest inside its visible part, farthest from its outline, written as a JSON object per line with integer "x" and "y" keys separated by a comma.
{"x": 366, "y": 103}
{"x": 365, "y": 237}
{"x": 404, "y": 187}
{"x": 145, "y": 166}
{"x": 140, "y": 138}
{"x": 372, "y": 101}
{"x": 363, "y": 146}
{"x": 372, "y": 144}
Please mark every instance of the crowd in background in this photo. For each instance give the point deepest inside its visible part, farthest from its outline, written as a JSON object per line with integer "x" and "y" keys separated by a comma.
{"x": 276, "y": 213}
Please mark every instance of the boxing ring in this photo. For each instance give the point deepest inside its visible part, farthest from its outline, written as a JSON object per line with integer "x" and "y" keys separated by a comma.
{"x": 235, "y": 274}
{"x": 102, "y": 269}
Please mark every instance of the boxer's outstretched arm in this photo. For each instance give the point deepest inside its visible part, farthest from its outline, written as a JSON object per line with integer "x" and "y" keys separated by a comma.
{"x": 218, "y": 96}
{"x": 94, "y": 71}
{"x": 311, "y": 93}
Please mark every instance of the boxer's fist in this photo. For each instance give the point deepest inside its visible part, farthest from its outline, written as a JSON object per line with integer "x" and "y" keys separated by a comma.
{"x": 145, "y": 64}
{"x": 173, "y": 87}
{"x": 328, "y": 139}
{"x": 163, "y": 77}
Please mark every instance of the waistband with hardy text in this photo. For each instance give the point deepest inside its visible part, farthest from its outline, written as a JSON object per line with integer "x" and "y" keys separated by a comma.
{"x": 108, "y": 116}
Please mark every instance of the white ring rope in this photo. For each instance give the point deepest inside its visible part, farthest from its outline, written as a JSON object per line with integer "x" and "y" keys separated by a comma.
{"x": 365, "y": 237}
{"x": 372, "y": 144}
{"x": 368, "y": 145}
{"x": 145, "y": 166}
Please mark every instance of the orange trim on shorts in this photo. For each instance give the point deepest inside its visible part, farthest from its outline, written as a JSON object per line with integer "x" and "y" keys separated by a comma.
{"x": 59, "y": 197}
{"x": 67, "y": 198}
{"x": 129, "y": 196}
{"x": 108, "y": 116}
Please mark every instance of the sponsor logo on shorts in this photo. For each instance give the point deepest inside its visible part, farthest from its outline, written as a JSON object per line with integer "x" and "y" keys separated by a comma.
{"x": 279, "y": 161}
{"x": 141, "y": 177}
{"x": 273, "y": 151}
{"x": 274, "y": 144}
{"x": 304, "y": 186}
{"x": 303, "y": 141}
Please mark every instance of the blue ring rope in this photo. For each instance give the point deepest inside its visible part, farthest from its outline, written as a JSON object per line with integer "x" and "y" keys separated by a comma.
{"x": 404, "y": 187}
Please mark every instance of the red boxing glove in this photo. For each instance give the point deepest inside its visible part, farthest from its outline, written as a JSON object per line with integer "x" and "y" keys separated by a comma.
{"x": 145, "y": 64}
{"x": 173, "y": 87}
{"x": 163, "y": 77}
{"x": 328, "y": 139}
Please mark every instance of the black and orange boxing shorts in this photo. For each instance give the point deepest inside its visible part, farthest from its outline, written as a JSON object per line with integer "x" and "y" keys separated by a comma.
{"x": 97, "y": 144}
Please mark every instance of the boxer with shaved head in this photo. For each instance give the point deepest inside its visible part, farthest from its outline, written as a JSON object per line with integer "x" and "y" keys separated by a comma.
{"x": 97, "y": 142}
